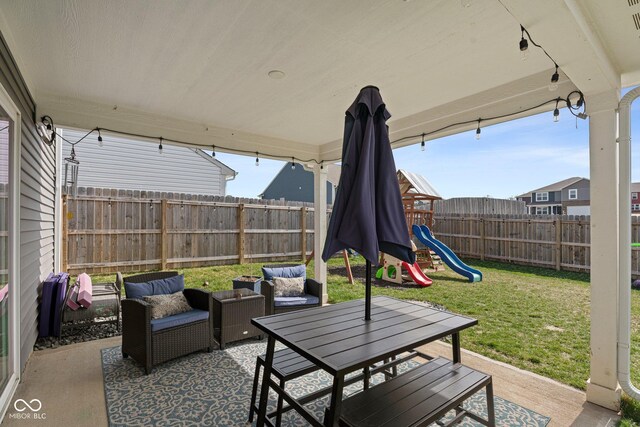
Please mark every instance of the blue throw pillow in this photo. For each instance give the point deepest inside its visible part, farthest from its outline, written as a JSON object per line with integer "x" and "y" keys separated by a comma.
{"x": 296, "y": 271}
{"x": 167, "y": 286}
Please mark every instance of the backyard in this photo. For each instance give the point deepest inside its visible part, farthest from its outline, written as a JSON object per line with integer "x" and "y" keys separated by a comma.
{"x": 535, "y": 319}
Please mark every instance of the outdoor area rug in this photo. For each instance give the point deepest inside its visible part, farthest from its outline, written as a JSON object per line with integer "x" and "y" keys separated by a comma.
{"x": 214, "y": 389}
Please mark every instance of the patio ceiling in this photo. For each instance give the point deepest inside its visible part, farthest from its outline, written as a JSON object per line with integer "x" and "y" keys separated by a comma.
{"x": 198, "y": 70}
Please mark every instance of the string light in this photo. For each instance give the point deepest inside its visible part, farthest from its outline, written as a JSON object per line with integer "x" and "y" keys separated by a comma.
{"x": 556, "y": 113}
{"x": 213, "y": 151}
{"x": 422, "y": 143}
{"x": 524, "y": 45}
{"x": 553, "y": 85}
{"x": 100, "y": 143}
{"x": 577, "y": 109}
{"x": 293, "y": 164}
{"x": 160, "y": 146}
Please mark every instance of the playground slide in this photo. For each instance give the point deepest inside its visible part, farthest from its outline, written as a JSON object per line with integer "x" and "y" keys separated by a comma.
{"x": 447, "y": 255}
{"x": 416, "y": 274}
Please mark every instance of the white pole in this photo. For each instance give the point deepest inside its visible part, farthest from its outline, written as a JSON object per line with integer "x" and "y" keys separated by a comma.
{"x": 320, "y": 226}
{"x": 624, "y": 292}
{"x": 602, "y": 387}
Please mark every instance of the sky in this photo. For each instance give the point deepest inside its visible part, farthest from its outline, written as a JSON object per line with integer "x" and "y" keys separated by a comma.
{"x": 510, "y": 159}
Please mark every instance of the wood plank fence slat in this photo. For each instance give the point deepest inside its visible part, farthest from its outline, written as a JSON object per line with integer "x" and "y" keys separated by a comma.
{"x": 109, "y": 230}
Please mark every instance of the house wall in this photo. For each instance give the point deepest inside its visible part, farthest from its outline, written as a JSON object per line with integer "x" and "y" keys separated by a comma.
{"x": 37, "y": 203}
{"x": 554, "y": 197}
{"x": 136, "y": 165}
{"x": 294, "y": 185}
{"x": 583, "y": 191}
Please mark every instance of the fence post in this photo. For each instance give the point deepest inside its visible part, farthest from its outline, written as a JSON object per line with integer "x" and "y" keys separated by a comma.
{"x": 241, "y": 242}
{"x": 303, "y": 233}
{"x": 558, "y": 224}
{"x": 163, "y": 236}
{"x": 65, "y": 234}
{"x": 482, "y": 240}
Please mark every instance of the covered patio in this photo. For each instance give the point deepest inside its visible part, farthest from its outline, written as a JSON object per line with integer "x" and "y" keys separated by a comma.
{"x": 272, "y": 79}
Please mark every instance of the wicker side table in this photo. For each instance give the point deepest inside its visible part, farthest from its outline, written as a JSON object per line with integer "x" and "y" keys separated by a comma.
{"x": 232, "y": 314}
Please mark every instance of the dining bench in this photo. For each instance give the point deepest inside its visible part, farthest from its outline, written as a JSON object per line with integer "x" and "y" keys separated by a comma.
{"x": 420, "y": 397}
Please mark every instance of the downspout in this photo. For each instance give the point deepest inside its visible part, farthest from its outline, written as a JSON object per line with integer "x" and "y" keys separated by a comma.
{"x": 624, "y": 204}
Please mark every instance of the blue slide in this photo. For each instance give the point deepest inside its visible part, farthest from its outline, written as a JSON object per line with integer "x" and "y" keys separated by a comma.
{"x": 451, "y": 259}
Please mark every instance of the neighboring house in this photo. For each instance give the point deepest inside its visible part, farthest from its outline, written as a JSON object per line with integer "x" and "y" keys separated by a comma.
{"x": 296, "y": 184}
{"x": 635, "y": 197}
{"x": 137, "y": 165}
{"x": 569, "y": 197}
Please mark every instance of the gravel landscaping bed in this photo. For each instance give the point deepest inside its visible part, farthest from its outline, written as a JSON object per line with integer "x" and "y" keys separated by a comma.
{"x": 71, "y": 335}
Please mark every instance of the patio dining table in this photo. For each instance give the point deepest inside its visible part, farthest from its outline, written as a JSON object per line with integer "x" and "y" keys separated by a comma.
{"x": 338, "y": 339}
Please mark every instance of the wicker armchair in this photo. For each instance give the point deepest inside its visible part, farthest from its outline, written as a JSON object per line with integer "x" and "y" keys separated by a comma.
{"x": 152, "y": 348}
{"x": 311, "y": 288}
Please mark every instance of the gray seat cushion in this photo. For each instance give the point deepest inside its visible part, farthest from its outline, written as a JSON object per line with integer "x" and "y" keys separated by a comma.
{"x": 304, "y": 299}
{"x": 178, "y": 319}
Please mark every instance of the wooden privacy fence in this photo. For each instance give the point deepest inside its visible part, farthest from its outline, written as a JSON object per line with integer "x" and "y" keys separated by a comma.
{"x": 131, "y": 231}
{"x": 559, "y": 242}
{"x": 478, "y": 206}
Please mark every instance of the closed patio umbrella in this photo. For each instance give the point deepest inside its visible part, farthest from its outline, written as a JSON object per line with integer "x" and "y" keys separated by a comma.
{"x": 368, "y": 215}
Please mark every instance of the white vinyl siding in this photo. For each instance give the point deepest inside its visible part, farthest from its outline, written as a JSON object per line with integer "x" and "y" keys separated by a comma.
{"x": 573, "y": 194}
{"x": 136, "y": 165}
{"x": 37, "y": 204}
{"x": 542, "y": 197}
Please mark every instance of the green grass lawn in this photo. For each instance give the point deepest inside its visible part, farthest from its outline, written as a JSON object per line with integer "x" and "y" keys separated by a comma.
{"x": 535, "y": 319}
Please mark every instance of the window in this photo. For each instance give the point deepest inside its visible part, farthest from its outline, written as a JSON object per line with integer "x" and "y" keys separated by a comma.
{"x": 542, "y": 197}
{"x": 573, "y": 194}
{"x": 635, "y": 207}
{"x": 544, "y": 210}
{"x": 634, "y": 195}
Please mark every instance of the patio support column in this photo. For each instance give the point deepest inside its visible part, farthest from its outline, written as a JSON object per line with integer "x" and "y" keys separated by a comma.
{"x": 602, "y": 386}
{"x": 320, "y": 226}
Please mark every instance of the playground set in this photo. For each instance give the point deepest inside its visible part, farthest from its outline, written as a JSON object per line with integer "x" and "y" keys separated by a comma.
{"x": 418, "y": 197}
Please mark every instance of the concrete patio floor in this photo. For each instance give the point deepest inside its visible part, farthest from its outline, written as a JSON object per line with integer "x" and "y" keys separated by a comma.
{"x": 68, "y": 381}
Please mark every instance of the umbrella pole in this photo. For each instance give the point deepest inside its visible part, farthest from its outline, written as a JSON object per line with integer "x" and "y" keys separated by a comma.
{"x": 367, "y": 295}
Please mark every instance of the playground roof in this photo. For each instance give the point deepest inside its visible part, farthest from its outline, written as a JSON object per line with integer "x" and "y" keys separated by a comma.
{"x": 416, "y": 184}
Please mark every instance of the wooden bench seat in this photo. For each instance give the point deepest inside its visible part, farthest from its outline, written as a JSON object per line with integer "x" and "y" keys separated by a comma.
{"x": 419, "y": 397}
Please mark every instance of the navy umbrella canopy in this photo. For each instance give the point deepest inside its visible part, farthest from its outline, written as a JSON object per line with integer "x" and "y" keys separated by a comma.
{"x": 368, "y": 214}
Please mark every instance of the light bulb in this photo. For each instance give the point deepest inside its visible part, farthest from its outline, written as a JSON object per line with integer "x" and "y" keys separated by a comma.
{"x": 293, "y": 166}
{"x": 524, "y": 55}
{"x": 160, "y": 149}
{"x": 100, "y": 142}
{"x": 213, "y": 151}
{"x": 422, "y": 146}
{"x": 556, "y": 115}
{"x": 257, "y": 161}
{"x": 478, "y": 133}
